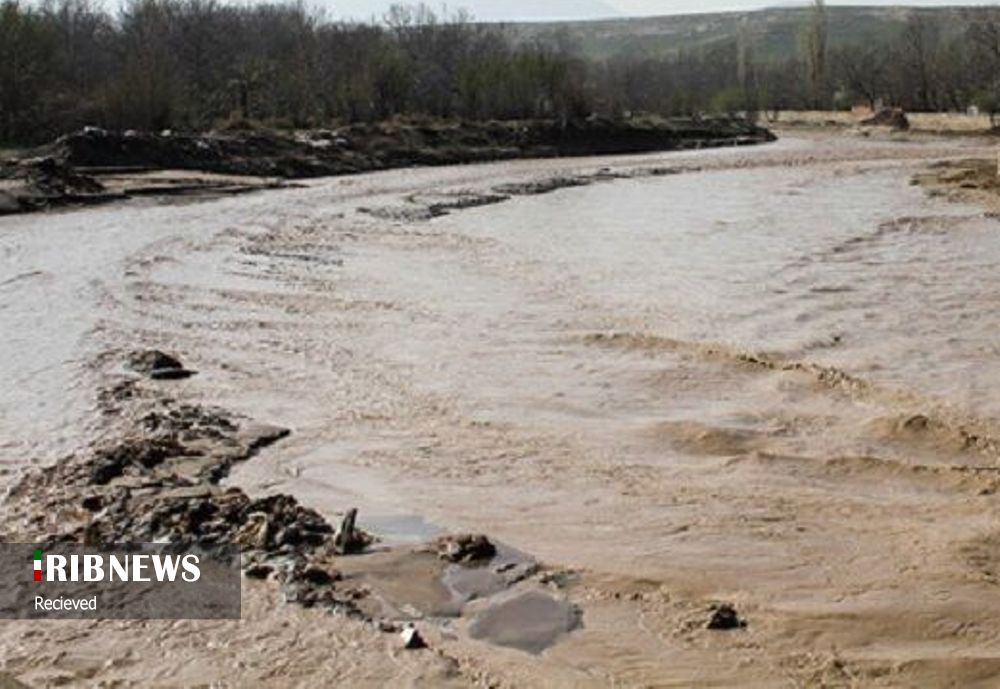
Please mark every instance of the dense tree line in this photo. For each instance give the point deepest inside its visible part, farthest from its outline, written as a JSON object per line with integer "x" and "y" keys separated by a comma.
{"x": 196, "y": 64}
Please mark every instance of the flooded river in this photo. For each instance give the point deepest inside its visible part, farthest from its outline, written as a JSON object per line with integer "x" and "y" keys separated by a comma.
{"x": 766, "y": 376}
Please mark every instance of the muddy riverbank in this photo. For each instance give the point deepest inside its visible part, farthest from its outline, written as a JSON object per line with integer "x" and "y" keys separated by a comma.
{"x": 975, "y": 180}
{"x": 746, "y": 389}
{"x": 95, "y": 165}
{"x": 154, "y": 476}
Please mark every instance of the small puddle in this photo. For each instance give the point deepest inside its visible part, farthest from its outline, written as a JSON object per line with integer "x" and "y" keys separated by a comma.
{"x": 407, "y": 584}
{"x": 400, "y": 529}
{"x": 531, "y": 621}
{"x": 411, "y": 582}
{"x": 471, "y": 582}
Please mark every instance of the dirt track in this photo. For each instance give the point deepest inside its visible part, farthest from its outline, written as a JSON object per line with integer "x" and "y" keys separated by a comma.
{"x": 766, "y": 377}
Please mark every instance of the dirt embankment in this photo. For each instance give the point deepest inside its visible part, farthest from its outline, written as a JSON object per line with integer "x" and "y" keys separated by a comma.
{"x": 888, "y": 119}
{"x": 974, "y": 180}
{"x": 95, "y": 165}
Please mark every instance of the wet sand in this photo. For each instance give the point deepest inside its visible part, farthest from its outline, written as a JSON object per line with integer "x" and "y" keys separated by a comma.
{"x": 760, "y": 376}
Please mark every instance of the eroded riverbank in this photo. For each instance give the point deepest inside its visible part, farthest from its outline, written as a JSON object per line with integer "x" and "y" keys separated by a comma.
{"x": 94, "y": 166}
{"x": 764, "y": 377}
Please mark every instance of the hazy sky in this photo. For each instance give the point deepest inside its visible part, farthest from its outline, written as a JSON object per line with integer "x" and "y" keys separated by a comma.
{"x": 512, "y": 10}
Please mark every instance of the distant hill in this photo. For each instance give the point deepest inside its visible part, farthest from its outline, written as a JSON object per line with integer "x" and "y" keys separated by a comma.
{"x": 773, "y": 32}
{"x": 483, "y": 10}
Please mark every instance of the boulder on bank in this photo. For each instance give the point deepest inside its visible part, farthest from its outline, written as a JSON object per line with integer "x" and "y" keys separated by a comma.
{"x": 157, "y": 365}
{"x": 465, "y": 548}
{"x": 894, "y": 118}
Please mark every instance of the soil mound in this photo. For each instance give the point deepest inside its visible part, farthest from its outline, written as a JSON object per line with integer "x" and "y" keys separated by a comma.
{"x": 889, "y": 117}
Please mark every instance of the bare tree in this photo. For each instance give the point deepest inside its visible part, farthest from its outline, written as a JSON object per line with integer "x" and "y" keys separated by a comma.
{"x": 920, "y": 45}
{"x": 863, "y": 71}
{"x": 815, "y": 48}
{"x": 983, "y": 33}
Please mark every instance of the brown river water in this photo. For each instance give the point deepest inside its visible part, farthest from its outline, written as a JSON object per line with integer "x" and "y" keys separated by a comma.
{"x": 765, "y": 376}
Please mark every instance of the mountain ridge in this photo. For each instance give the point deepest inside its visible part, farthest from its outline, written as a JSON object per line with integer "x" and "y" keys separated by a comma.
{"x": 773, "y": 31}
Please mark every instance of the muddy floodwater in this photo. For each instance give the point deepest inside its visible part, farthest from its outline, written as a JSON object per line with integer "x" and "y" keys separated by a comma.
{"x": 768, "y": 377}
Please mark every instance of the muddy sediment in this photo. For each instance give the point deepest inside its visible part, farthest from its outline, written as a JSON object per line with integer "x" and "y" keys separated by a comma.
{"x": 156, "y": 476}
{"x": 972, "y": 180}
{"x": 430, "y": 205}
{"x": 747, "y": 402}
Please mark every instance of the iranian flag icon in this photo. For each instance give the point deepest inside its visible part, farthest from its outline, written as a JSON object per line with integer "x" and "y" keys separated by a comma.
{"x": 38, "y": 565}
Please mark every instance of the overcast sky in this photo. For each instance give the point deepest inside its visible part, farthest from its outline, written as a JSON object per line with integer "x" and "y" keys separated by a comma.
{"x": 513, "y": 10}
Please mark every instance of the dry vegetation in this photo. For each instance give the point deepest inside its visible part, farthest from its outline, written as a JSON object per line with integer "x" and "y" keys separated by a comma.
{"x": 938, "y": 123}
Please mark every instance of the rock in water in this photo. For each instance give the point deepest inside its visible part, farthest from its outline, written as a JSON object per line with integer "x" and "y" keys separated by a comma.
{"x": 412, "y": 639}
{"x": 157, "y": 365}
{"x": 889, "y": 117}
{"x": 465, "y": 548}
{"x": 146, "y": 360}
{"x": 349, "y": 538}
{"x": 725, "y": 617}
